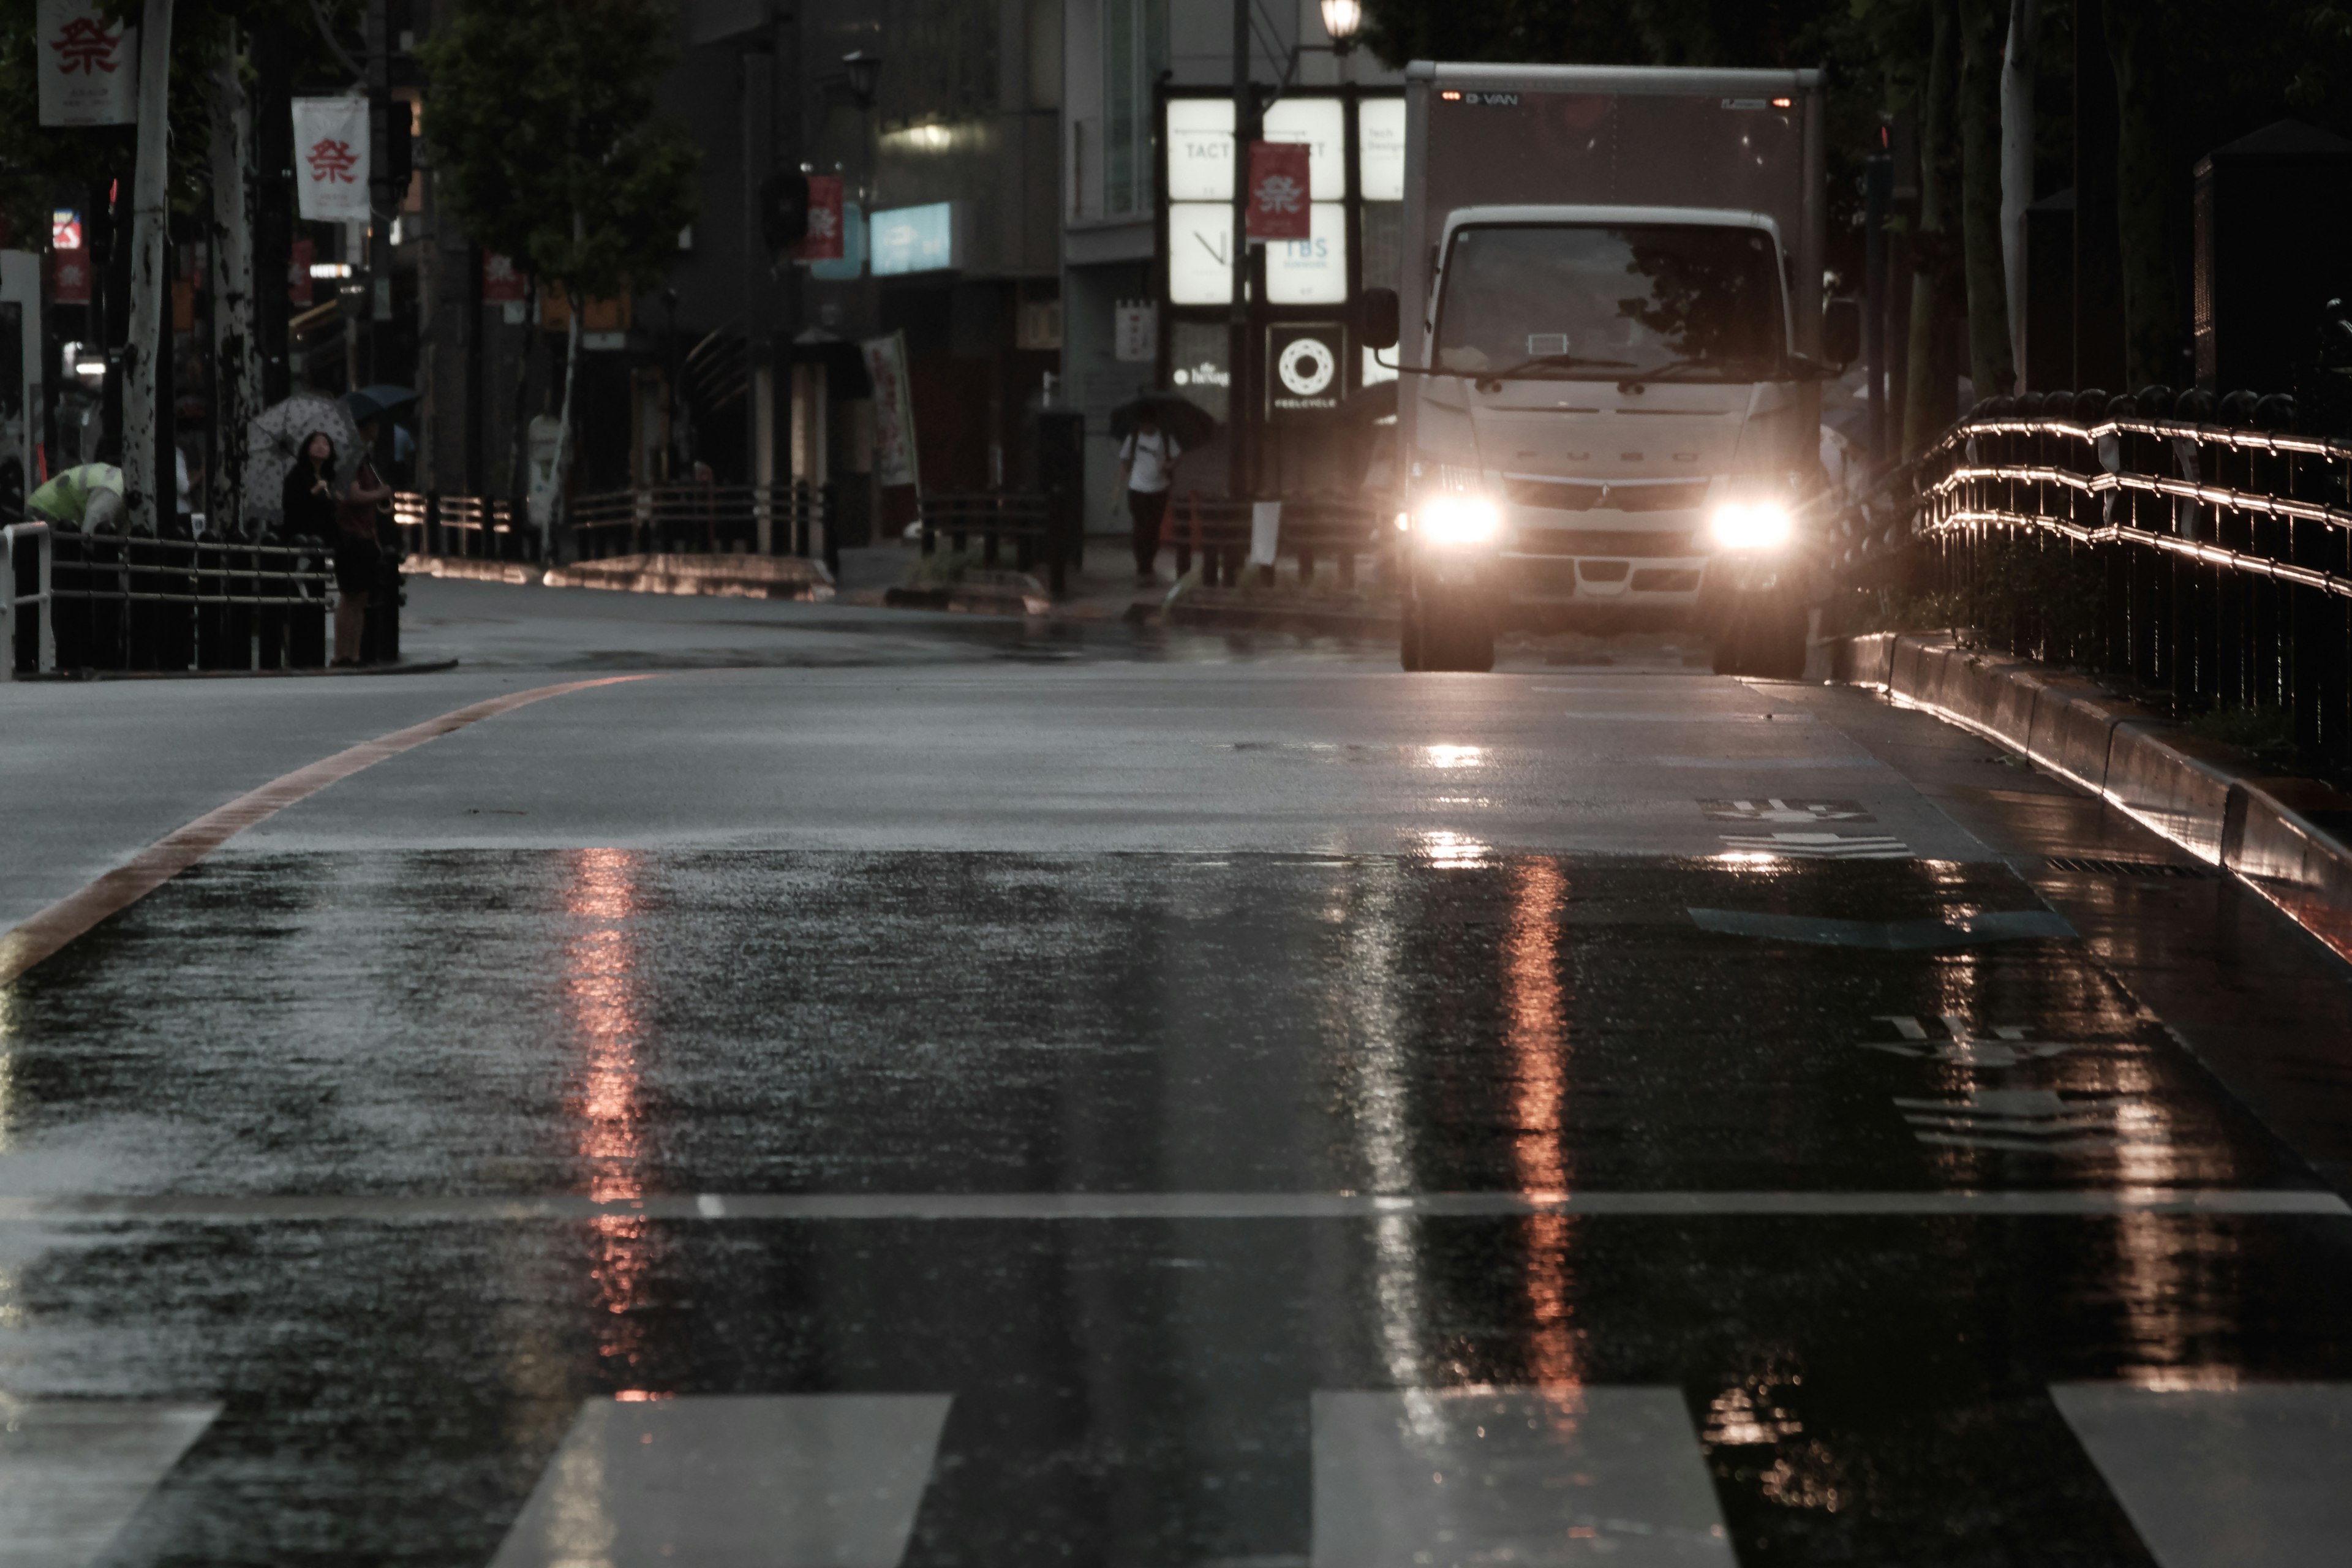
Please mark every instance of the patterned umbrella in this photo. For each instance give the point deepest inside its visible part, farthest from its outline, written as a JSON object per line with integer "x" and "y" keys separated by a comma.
{"x": 275, "y": 439}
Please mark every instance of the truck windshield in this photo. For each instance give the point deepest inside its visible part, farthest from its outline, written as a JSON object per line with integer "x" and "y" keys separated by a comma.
{"x": 1698, "y": 304}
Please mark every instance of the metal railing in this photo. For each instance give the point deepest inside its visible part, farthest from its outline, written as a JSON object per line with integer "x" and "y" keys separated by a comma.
{"x": 27, "y": 641}
{"x": 2205, "y": 564}
{"x": 705, "y": 519}
{"x": 1025, "y": 520}
{"x": 1311, "y": 528}
{"x": 119, "y": 603}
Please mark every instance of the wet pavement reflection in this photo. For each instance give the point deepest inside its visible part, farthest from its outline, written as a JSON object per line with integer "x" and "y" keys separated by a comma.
{"x": 421, "y": 1377}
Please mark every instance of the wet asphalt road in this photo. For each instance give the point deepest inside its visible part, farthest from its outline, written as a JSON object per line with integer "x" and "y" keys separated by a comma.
{"x": 904, "y": 1088}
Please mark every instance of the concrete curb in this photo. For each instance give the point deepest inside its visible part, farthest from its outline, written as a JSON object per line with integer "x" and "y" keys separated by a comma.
{"x": 2285, "y": 837}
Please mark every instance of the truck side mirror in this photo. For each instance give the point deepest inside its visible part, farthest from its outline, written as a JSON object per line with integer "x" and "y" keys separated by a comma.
{"x": 1377, "y": 318}
{"x": 1842, "y": 331}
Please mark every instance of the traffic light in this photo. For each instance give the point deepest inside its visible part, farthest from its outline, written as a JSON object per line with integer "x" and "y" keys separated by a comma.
{"x": 395, "y": 160}
{"x": 783, "y": 209}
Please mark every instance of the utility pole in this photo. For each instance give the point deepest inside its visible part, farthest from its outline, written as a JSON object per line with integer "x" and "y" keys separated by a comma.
{"x": 236, "y": 357}
{"x": 149, "y": 335}
{"x": 273, "y": 230}
{"x": 1238, "y": 333}
{"x": 1878, "y": 192}
{"x": 759, "y": 147}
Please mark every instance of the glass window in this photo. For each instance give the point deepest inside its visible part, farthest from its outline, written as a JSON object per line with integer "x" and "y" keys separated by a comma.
{"x": 1135, "y": 51}
{"x": 1379, "y": 148}
{"x": 1321, "y": 123}
{"x": 1198, "y": 363}
{"x": 1314, "y": 270}
{"x": 1199, "y": 149}
{"x": 1383, "y": 245}
{"x": 1199, "y": 253}
{"x": 1692, "y": 302}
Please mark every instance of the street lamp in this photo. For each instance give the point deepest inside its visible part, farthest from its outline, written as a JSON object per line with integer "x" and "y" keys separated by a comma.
{"x": 864, "y": 71}
{"x": 1343, "y": 19}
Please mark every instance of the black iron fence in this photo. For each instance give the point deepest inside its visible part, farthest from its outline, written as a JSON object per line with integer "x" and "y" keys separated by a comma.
{"x": 2203, "y": 563}
{"x": 118, "y": 602}
{"x": 694, "y": 520}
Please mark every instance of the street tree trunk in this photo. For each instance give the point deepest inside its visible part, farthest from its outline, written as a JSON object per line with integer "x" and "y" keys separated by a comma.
{"x": 2151, "y": 314}
{"x": 563, "y": 426}
{"x": 236, "y": 355}
{"x": 147, "y": 333}
{"x": 1927, "y": 399}
{"x": 2019, "y": 60}
{"x": 1993, "y": 368}
{"x": 518, "y": 470}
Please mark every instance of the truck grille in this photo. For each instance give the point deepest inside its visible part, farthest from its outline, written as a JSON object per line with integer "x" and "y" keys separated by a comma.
{"x": 1572, "y": 495}
{"x": 1665, "y": 544}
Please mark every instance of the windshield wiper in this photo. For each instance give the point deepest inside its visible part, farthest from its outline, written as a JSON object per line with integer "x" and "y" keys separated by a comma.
{"x": 1546, "y": 361}
{"x": 1672, "y": 370}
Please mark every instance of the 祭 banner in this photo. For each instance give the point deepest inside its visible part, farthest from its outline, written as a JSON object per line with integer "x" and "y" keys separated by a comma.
{"x": 89, "y": 69}
{"x": 1277, "y": 191}
{"x": 894, "y": 410}
{"x": 826, "y": 216}
{"x": 331, "y": 158}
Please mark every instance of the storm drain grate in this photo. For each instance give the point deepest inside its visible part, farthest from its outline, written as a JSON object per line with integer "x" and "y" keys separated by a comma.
{"x": 2099, "y": 867}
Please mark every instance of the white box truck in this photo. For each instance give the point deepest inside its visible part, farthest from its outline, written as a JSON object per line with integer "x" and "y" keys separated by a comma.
{"x": 1611, "y": 332}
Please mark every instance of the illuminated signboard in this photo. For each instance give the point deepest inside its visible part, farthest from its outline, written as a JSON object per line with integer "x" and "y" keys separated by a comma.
{"x": 1201, "y": 149}
{"x": 913, "y": 239}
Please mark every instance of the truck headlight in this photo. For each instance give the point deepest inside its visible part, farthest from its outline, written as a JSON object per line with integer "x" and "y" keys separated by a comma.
{"x": 1458, "y": 520}
{"x": 1749, "y": 525}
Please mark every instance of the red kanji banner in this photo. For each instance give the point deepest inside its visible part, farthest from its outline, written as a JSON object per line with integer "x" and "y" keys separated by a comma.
{"x": 1277, "y": 191}
{"x": 826, "y": 216}
{"x": 503, "y": 283}
{"x": 70, "y": 277}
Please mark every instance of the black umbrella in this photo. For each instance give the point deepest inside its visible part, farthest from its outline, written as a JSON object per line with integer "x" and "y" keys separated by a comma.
{"x": 1188, "y": 422}
{"x": 372, "y": 402}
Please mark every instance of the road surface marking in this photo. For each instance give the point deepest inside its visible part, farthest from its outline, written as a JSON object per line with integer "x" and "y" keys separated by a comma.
{"x": 731, "y": 1207}
{"x": 1896, "y": 936}
{"x": 1436, "y": 1478}
{"x": 1686, "y": 717}
{"x": 2005, "y": 1047}
{"x": 2040, "y": 1120}
{"x": 72, "y": 1471}
{"x": 806, "y": 1481}
{"x": 1788, "y": 810}
{"x": 2257, "y": 1476}
{"x": 35, "y": 939}
{"x": 1820, "y": 845}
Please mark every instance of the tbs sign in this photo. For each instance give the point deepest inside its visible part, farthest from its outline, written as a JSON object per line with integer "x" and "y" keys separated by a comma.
{"x": 1306, "y": 374}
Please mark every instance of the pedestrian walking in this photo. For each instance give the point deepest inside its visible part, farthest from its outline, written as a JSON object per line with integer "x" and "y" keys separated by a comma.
{"x": 1146, "y": 471}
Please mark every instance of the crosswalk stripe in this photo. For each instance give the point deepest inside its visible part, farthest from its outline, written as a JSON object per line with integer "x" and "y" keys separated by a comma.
{"x": 2258, "y": 1475}
{"x": 73, "y": 1471}
{"x": 1431, "y": 1478}
{"x": 808, "y": 1480}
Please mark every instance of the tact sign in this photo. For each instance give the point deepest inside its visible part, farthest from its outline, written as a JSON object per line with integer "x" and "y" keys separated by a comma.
{"x": 1305, "y": 370}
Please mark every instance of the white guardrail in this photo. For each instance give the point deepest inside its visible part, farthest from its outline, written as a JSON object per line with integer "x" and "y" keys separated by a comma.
{"x": 19, "y": 537}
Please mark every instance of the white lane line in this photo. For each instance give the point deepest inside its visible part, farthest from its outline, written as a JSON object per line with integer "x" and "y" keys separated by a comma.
{"x": 1429, "y": 1477}
{"x": 1737, "y": 764}
{"x": 1820, "y": 845}
{"x": 814, "y": 1480}
{"x": 1686, "y": 717}
{"x": 1890, "y": 936}
{"x": 734, "y": 1207}
{"x": 2259, "y": 1476}
{"x": 73, "y": 1471}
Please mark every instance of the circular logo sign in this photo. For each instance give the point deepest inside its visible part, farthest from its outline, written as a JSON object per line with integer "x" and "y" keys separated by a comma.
{"x": 1306, "y": 367}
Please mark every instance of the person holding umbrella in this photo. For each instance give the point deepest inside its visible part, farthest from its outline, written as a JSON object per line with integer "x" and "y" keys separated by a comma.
{"x": 1158, "y": 428}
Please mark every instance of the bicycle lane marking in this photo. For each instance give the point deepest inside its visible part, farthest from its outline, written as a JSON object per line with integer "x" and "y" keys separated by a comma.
{"x": 28, "y": 942}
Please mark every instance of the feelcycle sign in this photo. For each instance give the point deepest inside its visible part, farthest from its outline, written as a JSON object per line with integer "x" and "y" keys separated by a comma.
{"x": 914, "y": 239}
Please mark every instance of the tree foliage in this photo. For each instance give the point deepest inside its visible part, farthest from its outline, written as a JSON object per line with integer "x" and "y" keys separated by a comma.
{"x": 545, "y": 143}
{"x": 35, "y": 159}
{"x": 2201, "y": 74}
